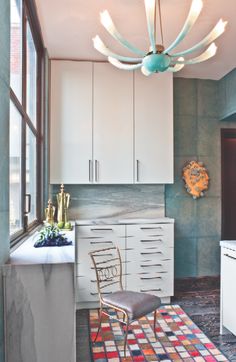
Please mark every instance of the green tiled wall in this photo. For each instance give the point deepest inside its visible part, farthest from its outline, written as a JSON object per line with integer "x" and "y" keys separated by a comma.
{"x": 197, "y": 115}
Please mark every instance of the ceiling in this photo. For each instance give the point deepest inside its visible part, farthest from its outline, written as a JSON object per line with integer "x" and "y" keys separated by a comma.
{"x": 68, "y": 27}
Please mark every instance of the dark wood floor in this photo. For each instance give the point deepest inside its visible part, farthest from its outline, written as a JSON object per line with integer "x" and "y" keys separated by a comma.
{"x": 200, "y": 299}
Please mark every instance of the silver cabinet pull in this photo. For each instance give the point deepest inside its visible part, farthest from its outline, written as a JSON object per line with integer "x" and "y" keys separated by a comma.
{"x": 151, "y": 228}
{"x": 90, "y": 171}
{"x": 100, "y": 242}
{"x": 150, "y": 290}
{"x": 99, "y": 229}
{"x": 149, "y": 278}
{"x": 96, "y": 170}
{"x": 229, "y": 256}
{"x": 137, "y": 170}
{"x": 148, "y": 265}
{"x": 150, "y": 241}
{"x": 152, "y": 252}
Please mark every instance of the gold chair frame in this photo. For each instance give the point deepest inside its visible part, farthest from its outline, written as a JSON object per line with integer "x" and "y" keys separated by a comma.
{"x": 105, "y": 274}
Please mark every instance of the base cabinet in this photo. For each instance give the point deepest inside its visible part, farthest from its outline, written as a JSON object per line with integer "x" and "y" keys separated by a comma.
{"x": 147, "y": 257}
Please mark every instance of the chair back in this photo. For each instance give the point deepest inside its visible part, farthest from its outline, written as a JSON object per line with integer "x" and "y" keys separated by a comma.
{"x": 108, "y": 268}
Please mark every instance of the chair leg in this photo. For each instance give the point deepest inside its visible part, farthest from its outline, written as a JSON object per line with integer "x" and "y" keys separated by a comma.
{"x": 99, "y": 325}
{"x": 154, "y": 322}
{"x": 126, "y": 335}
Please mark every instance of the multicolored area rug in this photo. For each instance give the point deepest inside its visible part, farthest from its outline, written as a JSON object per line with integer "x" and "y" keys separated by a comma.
{"x": 178, "y": 339}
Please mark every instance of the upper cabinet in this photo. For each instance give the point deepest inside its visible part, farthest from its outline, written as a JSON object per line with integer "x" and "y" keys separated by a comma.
{"x": 110, "y": 126}
{"x": 71, "y": 122}
{"x": 153, "y": 109}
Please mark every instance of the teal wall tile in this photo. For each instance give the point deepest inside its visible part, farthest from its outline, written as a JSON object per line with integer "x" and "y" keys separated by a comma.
{"x": 178, "y": 188}
{"x": 213, "y": 166}
{"x": 208, "y": 256}
{"x": 184, "y": 211}
{"x": 185, "y": 131}
{"x": 185, "y": 257}
{"x": 208, "y": 136}
{"x": 227, "y": 95}
{"x": 185, "y": 96}
{"x": 207, "y": 98}
{"x": 208, "y": 216}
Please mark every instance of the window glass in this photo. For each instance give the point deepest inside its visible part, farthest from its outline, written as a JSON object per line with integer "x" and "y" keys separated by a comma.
{"x": 31, "y": 77}
{"x": 31, "y": 170}
{"x": 15, "y": 170}
{"x": 16, "y": 47}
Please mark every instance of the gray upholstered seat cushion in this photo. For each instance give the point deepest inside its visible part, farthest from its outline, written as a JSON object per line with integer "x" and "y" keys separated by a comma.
{"x": 134, "y": 303}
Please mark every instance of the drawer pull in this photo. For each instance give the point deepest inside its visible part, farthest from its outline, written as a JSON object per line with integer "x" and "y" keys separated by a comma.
{"x": 104, "y": 229}
{"x": 100, "y": 242}
{"x": 149, "y": 278}
{"x": 229, "y": 256}
{"x": 150, "y": 241}
{"x": 148, "y": 265}
{"x": 150, "y": 290}
{"x": 152, "y": 228}
{"x": 150, "y": 253}
{"x": 94, "y": 294}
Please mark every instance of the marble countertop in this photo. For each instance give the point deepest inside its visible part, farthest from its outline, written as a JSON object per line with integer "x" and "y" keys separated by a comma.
{"x": 229, "y": 244}
{"x": 115, "y": 221}
{"x": 26, "y": 253}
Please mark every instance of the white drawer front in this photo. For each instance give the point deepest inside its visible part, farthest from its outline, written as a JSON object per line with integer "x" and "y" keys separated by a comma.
{"x": 153, "y": 234}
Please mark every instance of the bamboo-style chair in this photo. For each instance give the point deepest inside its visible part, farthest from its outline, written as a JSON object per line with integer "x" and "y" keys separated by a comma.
{"x": 133, "y": 305}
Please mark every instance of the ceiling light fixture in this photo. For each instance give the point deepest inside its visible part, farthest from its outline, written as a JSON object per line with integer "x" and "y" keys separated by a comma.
{"x": 159, "y": 59}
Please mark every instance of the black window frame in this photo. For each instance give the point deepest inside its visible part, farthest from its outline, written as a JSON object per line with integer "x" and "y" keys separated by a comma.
{"x": 29, "y": 15}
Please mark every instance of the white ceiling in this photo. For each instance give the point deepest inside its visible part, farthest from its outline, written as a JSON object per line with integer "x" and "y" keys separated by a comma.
{"x": 68, "y": 27}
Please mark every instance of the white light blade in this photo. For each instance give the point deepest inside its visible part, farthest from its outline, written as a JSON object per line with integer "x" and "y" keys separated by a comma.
{"x": 194, "y": 12}
{"x": 101, "y": 47}
{"x": 150, "y": 6}
{"x": 108, "y": 24}
{"x": 213, "y": 35}
{"x": 120, "y": 65}
{"x": 145, "y": 71}
{"x": 209, "y": 53}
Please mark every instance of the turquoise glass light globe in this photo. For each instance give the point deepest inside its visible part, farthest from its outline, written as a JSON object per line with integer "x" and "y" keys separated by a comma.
{"x": 156, "y": 62}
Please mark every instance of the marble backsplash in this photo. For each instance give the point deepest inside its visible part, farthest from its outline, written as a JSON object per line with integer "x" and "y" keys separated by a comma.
{"x": 114, "y": 201}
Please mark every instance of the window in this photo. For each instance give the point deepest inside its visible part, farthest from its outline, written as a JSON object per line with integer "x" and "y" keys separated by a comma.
{"x": 25, "y": 126}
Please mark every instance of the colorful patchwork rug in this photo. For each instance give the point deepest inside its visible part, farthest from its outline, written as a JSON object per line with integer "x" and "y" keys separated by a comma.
{"x": 178, "y": 339}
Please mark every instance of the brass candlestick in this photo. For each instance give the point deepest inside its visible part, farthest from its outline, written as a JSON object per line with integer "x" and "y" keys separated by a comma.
{"x": 63, "y": 200}
{"x": 50, "y": 212}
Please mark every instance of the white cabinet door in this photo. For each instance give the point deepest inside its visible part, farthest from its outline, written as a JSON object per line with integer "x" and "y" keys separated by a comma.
{"x": 113, "y": 125}
{"x": 71, "y": 122}
{"x": 153, "y": 100}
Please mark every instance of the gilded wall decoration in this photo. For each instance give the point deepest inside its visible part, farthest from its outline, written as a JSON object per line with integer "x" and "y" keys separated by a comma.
{"x": 196, "y": 178}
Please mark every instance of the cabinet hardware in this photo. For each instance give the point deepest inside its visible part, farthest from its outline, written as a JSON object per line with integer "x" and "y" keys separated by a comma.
{"x": 150, "y": 290}
{"x": 90, "y": 171}
{"x": 96, "y": 170}
{"x": 94, "y": 294}
{"x": 104, "y": 229}
{"x": 150, "y": 253}
{"x": 147, "y": 266}
{"x": 151, "y": 228}
{"x": 100, "y": 242}
{"x": 137, "y": 170}
{"x": 229, "y": 256}
{"x": 150, "y": 241}
{"x": 27, "y": 203}
{"x": 149, "y": 278}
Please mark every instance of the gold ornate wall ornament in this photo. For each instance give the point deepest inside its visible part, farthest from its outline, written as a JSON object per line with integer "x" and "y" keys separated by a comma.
{"x": 196, "y": 178}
